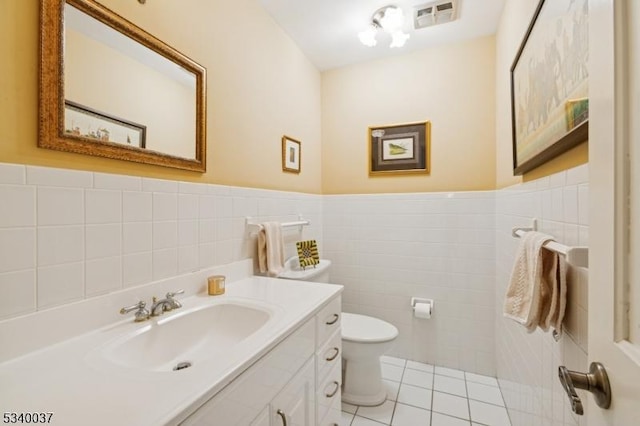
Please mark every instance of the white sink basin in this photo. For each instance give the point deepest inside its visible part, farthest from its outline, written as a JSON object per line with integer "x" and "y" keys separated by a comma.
{"x": 190, "y": 337}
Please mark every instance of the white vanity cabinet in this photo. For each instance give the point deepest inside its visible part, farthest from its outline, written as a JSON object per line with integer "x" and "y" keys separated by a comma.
{"x": 329, "y": 364}
{"x": 289, "y": 383}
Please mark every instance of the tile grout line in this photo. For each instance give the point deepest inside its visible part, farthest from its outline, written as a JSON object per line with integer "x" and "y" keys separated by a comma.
{"x": 466, "y": 389}
{"x": 433, "y": 390}
{"x": 395, "y": 403}
{"x": 504, "y": 402}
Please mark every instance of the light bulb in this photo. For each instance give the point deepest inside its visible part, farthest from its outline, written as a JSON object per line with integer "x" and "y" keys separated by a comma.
{"x": 398, "y": 39}
{"x": 368, "y": 36}
{"x": 392, "y": 19}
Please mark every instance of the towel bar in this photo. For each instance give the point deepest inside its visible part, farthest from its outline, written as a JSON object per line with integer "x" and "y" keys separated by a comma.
{"x": 576, "y": 256}
{"x": 253, "y": 227}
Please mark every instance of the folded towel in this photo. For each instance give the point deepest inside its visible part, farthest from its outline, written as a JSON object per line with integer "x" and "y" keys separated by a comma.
{"x": 271, "y": 249}
{"x": 533, "y": 283}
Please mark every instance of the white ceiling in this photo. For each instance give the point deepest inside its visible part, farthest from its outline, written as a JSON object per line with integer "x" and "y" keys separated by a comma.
{"x": 327, "y": 30}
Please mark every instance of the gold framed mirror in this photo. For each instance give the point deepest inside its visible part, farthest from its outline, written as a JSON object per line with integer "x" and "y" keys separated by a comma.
{"x": 108, "y": 88}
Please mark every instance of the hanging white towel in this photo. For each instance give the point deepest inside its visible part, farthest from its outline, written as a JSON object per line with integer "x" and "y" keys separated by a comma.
{"x": 271, "y": 249}
{"x": 528, "y": 300}
{"x": 558, "y": 299}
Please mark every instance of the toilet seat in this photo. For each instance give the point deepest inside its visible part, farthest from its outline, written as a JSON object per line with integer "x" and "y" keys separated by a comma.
{"x": 366, "y": 329}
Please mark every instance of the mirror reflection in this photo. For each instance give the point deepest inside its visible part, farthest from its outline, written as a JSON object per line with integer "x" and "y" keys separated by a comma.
{"x": 124, "y": 93}
{"x": 100, "y": 61}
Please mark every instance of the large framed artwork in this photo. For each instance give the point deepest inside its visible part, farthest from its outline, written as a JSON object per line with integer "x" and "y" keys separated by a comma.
{"x": 399, "y": 149}
{"x": 549, "y": 84}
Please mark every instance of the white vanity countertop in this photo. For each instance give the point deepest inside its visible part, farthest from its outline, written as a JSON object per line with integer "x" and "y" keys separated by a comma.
{"x": 64, "y": 378}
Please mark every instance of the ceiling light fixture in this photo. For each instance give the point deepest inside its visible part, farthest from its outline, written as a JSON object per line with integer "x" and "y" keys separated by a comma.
{"x": 388, "y": 19}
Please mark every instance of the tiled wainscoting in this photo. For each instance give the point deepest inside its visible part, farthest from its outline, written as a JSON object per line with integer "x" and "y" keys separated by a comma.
{"x": 527, "y": 364}
{"x": 387, "y": 248}
{"x": 420, "y": 394}
{"x": 70, "y": 235}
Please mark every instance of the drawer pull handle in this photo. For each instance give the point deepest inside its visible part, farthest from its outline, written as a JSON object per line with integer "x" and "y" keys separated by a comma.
{"x": 335, "y": 319}
{"x": 331, "y": 358}
{"x": 283, "y": 417}
{"x": 330, "y": 395}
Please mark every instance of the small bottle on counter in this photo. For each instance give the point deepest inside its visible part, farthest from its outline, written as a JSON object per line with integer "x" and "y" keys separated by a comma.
{"x": 216, "y": 285}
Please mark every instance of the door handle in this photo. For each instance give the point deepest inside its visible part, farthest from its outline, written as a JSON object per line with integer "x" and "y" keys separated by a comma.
{"x": 595, "y": 381}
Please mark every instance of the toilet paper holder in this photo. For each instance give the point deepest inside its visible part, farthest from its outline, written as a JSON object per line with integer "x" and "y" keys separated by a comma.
{"x": 415, "y": 300}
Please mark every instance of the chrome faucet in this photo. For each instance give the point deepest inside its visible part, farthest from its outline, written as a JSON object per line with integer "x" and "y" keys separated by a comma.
{"x": 173, "y": 302}
{"x": 142, "y": 313}
{"x": 165, "y": 305}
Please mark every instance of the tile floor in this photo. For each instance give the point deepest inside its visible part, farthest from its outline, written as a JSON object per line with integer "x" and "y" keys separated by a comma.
{"x": 423, "y": 395}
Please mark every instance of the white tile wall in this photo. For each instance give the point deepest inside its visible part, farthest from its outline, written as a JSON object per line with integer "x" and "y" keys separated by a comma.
{"x": 527, "y": 364}
{"x": 68, "y": 235}
{"x": 60, "y": 206}
{"x": 17, "y": 249}
{"x": 387, "y": 248}
{"x": 137, "y": 269}
{"x": 103, "y": 206}
{"x": 24, "y": 200}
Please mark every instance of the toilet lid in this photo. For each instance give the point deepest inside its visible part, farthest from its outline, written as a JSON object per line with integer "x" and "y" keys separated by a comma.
{"x": 365, "y": 329}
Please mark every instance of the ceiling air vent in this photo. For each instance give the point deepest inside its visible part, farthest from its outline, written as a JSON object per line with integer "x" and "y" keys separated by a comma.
{"x": 434, "y": 13}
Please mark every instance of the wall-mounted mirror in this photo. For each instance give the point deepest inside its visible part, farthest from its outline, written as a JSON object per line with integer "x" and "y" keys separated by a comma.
{"x": 110, "y": 89}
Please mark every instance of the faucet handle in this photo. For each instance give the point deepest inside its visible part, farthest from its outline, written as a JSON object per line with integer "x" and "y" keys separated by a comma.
{"x": 174, "y": 293}
{"x": 141, "y": 314}
{"x": 174, "y": 303}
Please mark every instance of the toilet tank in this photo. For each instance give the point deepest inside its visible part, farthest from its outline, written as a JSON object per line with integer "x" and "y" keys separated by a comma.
{"x": 293, "y": 271}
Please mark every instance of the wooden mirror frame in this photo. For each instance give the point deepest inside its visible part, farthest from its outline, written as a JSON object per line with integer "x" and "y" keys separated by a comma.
{"x": 51, "y": 100}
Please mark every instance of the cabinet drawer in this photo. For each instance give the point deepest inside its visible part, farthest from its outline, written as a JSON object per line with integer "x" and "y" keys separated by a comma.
{"x": 328, "y": 321}
{"x": 334, "y": 415}
{"x": 329, "y": 355}
{"x": 329, "y": 392}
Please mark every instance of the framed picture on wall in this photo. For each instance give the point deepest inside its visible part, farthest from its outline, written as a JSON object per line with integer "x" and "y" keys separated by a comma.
{"x": 399, "y": 149}
{"x": 88, "y": 123}
{"x": 549, "y": 84}
{"x": 291, "y": 153}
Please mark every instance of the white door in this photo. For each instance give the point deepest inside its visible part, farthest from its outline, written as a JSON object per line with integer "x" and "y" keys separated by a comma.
{"x": 614, "y": 257}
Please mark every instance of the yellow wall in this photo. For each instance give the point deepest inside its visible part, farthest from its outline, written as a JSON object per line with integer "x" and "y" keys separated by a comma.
{"x": 453, "y": 86}
{"x": 514, "y": 22}
{"x": 260, "y": 86}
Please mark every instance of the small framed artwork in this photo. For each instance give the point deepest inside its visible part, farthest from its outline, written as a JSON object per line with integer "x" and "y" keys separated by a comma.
{"x": 291, "y": 151}
{"x": 550, "y": 84}
{"x": 88, "y": 123}
{"x": 400, "y": 148}
{"x": 308, "y": 253}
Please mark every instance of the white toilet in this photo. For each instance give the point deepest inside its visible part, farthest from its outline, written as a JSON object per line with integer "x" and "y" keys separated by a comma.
{"x": 364, "y": 340}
